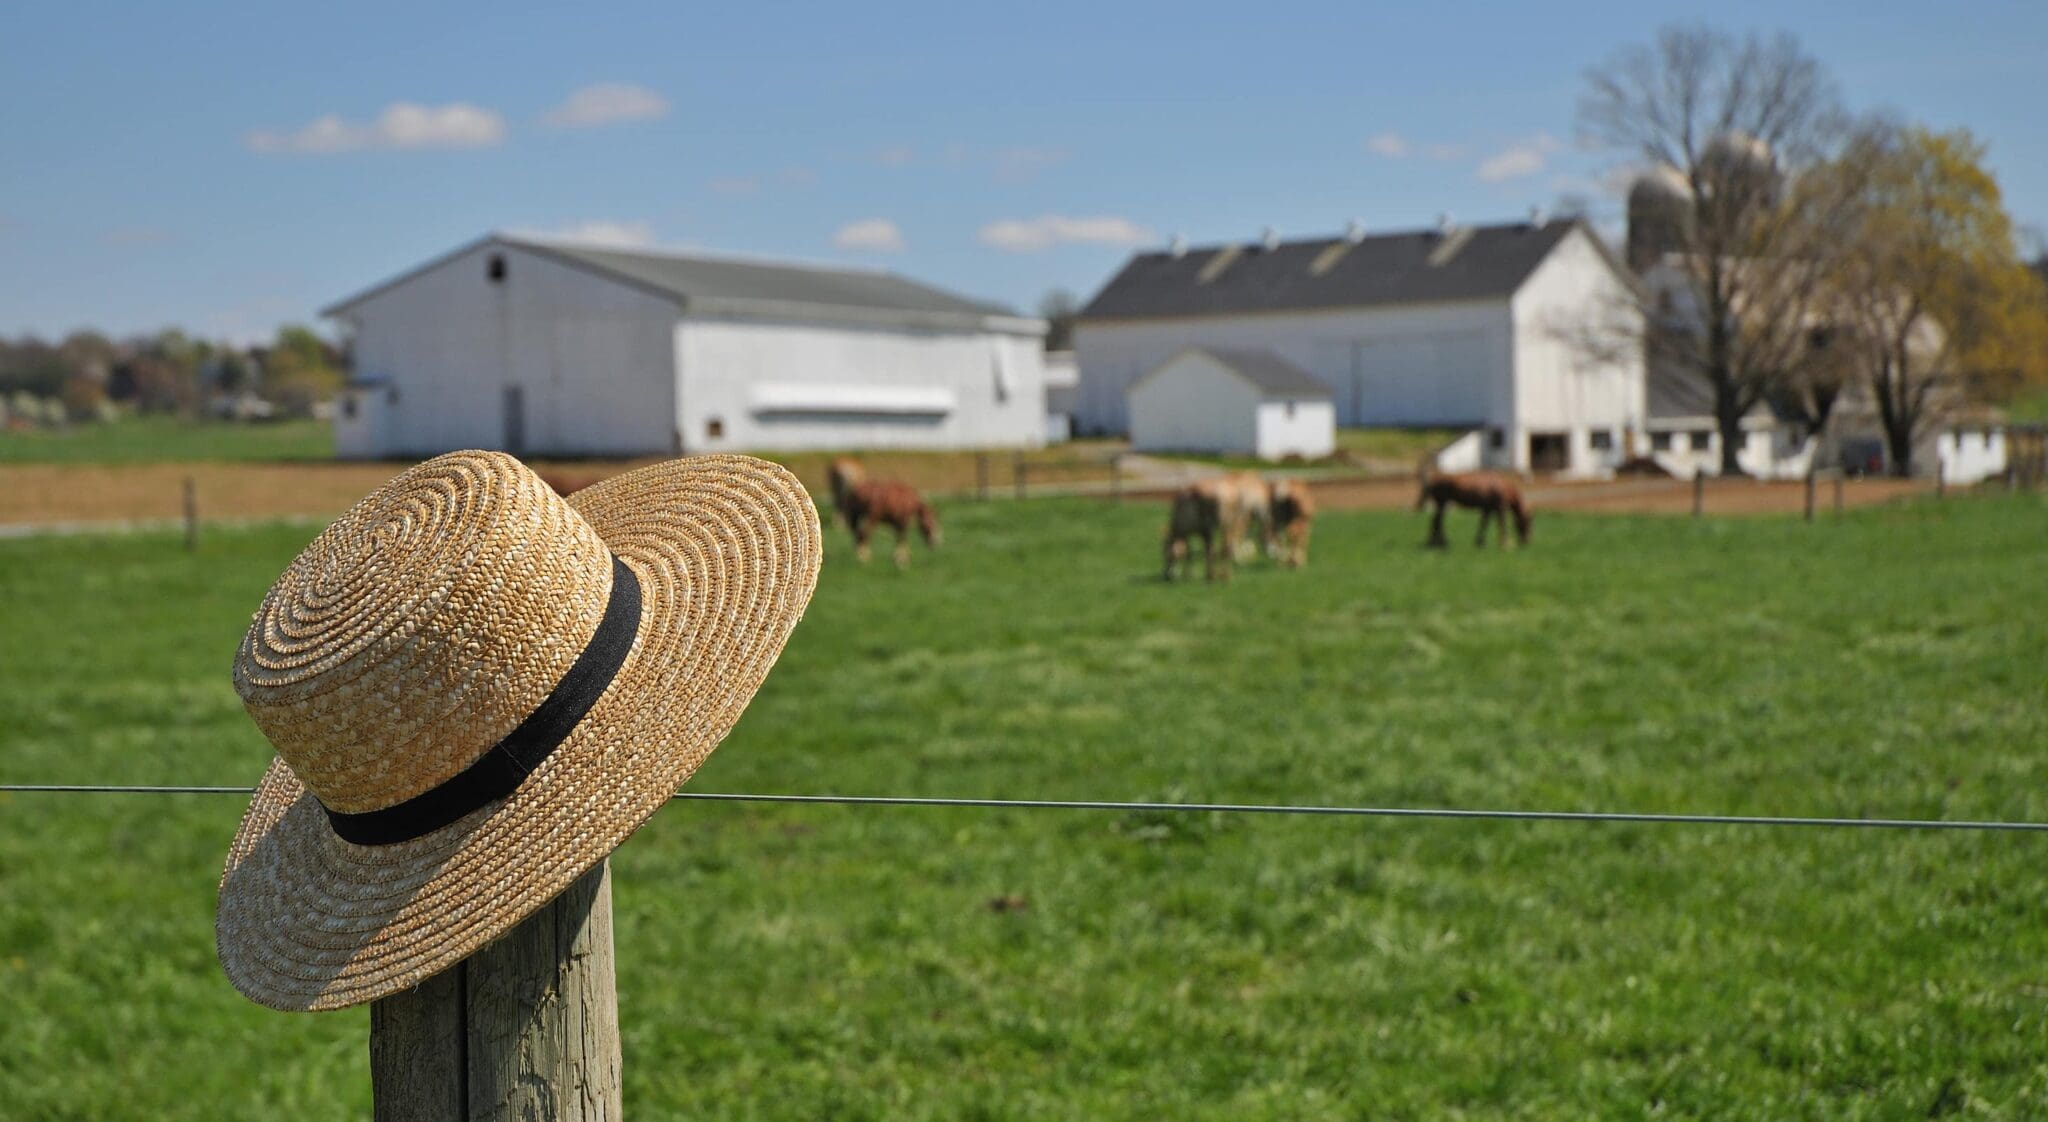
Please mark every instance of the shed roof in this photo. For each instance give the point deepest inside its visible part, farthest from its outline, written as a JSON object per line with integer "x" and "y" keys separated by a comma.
{"x": 1418, "y": 266}
{"x": 747, "y": 286}
{"x": 1271, "y": 375}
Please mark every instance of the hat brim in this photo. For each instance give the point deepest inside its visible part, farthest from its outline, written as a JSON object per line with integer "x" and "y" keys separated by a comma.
{"x": 727, "y": 551}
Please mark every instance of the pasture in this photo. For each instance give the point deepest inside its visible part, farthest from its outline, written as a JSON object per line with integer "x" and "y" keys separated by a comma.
{"x": 805, "y": 962}
{"x": 162, "y": 439}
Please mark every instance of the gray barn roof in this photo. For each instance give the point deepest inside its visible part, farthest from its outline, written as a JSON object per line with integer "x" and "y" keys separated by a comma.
{"x": 734, "y": 285}
{"x": 1271, "y": 375}
{"x": 1468, "y": 263}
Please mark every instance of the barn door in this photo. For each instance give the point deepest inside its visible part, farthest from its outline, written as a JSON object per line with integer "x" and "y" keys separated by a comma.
{"x": 515, "y": 420}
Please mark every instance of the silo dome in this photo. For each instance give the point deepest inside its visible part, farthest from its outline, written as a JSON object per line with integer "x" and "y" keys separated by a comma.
{"x": 1661, "y": 184}
{"x": 1659, "y": 213}
{"x": 1739, "y": 167}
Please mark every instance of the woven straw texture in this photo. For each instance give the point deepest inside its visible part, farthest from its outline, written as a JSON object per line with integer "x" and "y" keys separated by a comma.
{"x": 422, "y": 627}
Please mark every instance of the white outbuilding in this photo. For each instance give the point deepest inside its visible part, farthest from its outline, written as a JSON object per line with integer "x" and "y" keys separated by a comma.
{"x": 1505, "y": 331}
{"x": 540, "y": 347}
{"x": 1222, "y": 401}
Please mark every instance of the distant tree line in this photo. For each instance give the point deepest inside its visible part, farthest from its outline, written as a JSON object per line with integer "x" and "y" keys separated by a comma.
{"x": 88, "y": 376}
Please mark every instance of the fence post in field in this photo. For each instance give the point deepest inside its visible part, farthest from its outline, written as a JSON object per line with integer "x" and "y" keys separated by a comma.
{"x": 1809, "y": 494}
{"x": 191, "y": 515}
{"x": 1017, "y": 466}
{"x": 981, "y": 476}
{"x": 1699, "y": 490}
{"x": 1940, "y": 480}
{"x": 1838, "y": 494}
{"x": 527, "y": 1027}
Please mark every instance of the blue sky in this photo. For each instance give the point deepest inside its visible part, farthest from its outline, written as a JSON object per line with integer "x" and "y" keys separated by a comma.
{"x": 227, "y": 168}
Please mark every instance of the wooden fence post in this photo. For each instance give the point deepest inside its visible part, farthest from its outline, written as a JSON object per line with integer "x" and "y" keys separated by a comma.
{"x": 1017, "y": 466}
{"x": 1699, "y": 490}
{"x": 1116, "y": 477}
{"x": 1809, "y": 494}
{"x": 191, "y": 515}
{"x": 1940, "y": 480}
{"x": 981, "y": 476}
{"x": 1838, "y": 494}
{"x": 527, "y": 1027}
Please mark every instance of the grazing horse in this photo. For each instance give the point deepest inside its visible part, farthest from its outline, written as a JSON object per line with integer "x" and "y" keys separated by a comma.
{"x": 1492, "y": 496}
{"x": 893, "y": 504}
{"x": 1293, "y": 510}
{"x": 842, "y": 476}
{"x": 1197, "y": 513}
{"x": 1248, "y": 503}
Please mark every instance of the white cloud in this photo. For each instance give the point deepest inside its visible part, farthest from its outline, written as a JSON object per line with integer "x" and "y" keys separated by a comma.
{"x": 607, "y": 103}
{"x": 1389, "y": 144}
{"x": 403, "y": 124}
{"x": 1522, "y": 158}
{"x": 1014, "y": 165}
{"x": 1028, "y": 235}
{"x": 876, "y": 235}
{"x": 602, "y": 232}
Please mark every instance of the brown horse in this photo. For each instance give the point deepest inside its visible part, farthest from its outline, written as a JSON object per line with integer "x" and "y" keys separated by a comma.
{"x": 1492, "y": 496}
{"x": 893, "y": 504}
{"x": 1197, "y": 512}
{"x": 1293, "y": 510}
{"x": 842, "y": 475}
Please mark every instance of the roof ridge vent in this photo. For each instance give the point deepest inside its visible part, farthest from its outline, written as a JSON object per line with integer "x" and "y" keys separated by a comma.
{"x": 1354, "y": 231}
{"x": 1269, "y": 239}
{"x": 1178, "y": 246}
{"x": 1445, "y": 223}
{"x": 1537, "y": 216}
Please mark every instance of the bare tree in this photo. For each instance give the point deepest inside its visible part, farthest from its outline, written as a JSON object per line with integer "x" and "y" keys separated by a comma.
{"x": 1735, "y": 270}
{"x": 1058, "y": 308}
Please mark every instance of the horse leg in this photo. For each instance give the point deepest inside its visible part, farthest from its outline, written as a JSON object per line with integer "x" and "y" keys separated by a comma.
{"x": 1485, "y": 516}
{"x": 903, "y": 544}
{"x": 1436, "y": 528}
{"x": 862, "y": 527}
{"x": 1501, "y": 517}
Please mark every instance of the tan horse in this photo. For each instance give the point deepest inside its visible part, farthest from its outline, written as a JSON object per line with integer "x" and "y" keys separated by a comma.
{"x": 1196, "y": 513}
{"x": 1492, "y": 496}
{"x": 842, "y": 475}
{"x": 1293, "y": 514}
{"x": 893, "y": 504}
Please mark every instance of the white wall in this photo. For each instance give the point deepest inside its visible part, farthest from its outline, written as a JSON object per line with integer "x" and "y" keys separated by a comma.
{"x": 591, "y": 356}
{"x": 1570, "y": 377}
{"x": 1411, "y": 364}
{"x": 993, "y": 385}
{"x": 1194, "y": 404}
{"x": 1769, "y": 450}
{"x": 1296, "y": 428}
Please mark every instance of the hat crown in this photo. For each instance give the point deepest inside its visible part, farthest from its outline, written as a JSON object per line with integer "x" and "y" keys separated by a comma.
{"x": 422, "y": 627}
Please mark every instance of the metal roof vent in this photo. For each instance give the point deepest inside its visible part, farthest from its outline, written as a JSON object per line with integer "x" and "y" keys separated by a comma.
{"x": 1178, "y": 247}
{"x": 1537, "y": 217}
{"x": 1269, "y": 238}
{"x": 1354, "y": 231}
{"x": 1444, "y": 224}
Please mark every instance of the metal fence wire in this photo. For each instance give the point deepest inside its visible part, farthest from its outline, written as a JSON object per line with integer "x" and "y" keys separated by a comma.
{"x": 1451, "y": 813}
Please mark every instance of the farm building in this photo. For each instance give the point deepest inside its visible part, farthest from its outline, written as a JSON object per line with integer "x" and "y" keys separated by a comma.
{"x": 539, "y": 347}
{"x": 1482, "y": 328}
{"x": 1685, "y": 440}
{"x": 1209, "y": 399}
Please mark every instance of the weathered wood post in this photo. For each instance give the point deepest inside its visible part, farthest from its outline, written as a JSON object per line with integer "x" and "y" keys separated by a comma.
{"x": 981, "y": 476}
{"x": 1699, "y": 490}
{"x": 1940, "y": 480}
{"x": 1809, "y": 494}
{"x": 1017, "y": 467}
{"x": 526, "y": 1028}
{"x": 1838, "y": 493}
{"x": 191, "y": 515}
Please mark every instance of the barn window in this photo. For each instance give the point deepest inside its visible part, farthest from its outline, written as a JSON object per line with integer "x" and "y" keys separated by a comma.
{"x": 1603, "y": 439}
{"x": 1699, "y": 440}
{"x": 1660, "y": 442}
{"x": 714, "y": 428}
{"x": 495, "y": 270}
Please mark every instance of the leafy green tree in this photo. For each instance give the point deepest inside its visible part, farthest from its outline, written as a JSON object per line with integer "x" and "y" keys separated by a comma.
{"x": 300, "y": 369}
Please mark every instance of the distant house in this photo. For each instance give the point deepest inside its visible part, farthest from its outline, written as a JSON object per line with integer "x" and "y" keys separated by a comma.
{"x": 1474, "y": 327}
{"x": 1216, "y": 400}
{"x": 1685, "y": 439}
{"x": 539, "y": 347}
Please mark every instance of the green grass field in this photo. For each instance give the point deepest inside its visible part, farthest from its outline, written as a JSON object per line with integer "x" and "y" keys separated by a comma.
{"x": 146, "y": 440}
{"x": 812, "y": 962}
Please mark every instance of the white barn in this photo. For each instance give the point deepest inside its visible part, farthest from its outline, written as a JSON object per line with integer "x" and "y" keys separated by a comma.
{"x": 539, "y": 347}
{"x": 1210, "y": 399}
{"x": 1482, "y": 328}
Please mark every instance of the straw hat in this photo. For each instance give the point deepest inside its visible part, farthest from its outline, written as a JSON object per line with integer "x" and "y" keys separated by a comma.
{"x": 477, "y": 689}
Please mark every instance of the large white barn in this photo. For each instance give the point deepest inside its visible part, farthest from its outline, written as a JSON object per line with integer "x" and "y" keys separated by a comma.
{"x": 539, "y": 347}
{"x": 1493, "y": 329}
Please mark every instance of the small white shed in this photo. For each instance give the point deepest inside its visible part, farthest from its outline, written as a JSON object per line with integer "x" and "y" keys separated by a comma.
{"x": 1214, "y": 400}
